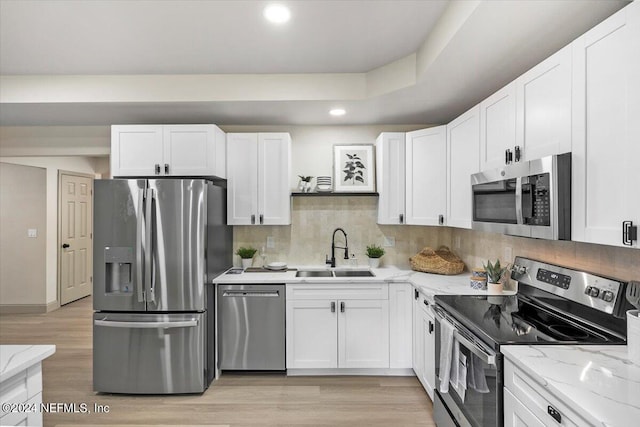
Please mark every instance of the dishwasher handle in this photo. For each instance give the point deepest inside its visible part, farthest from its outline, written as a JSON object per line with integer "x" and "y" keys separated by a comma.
{"x": 249, "y": 294}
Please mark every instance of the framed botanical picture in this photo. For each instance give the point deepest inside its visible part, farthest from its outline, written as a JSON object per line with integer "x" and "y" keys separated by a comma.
{"x": 354, "y": 168}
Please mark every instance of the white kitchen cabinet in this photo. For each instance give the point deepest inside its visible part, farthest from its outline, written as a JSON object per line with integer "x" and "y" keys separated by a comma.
{"x": 363, "y": 334}
{"x": 337, "y": 326}
{"x": 400, "y": 325}
{"x": 543, "y": 108}
{"x": 259, "y": 170}
{"x": 426, "y": 171}
{"x": 497, "y": 127}
{"x": 606, "y": 129}
{"x": 167, "y": 150}
{"x": 529, "y": 404}
{"x": 390, "y": 177}
{"x": 463, "y": 160}
{"x": 424, "y": 343}
{"x": 312, "y": 334}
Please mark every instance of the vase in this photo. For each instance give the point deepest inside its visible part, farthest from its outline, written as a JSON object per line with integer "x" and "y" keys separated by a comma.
{"x": 247, "y": 262}
{"x": 494, "y": 288}
{"x": 374, "y": 262}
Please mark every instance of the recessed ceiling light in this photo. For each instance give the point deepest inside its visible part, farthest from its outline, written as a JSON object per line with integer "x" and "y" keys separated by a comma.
{"x": 337, "y": 112}
{"x": 277, "y": 13}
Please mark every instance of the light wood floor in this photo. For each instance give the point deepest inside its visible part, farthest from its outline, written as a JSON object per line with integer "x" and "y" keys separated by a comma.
{"x": 233, "y": 400}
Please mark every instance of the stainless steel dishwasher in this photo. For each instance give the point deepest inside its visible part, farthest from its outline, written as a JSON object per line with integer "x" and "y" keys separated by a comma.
{"x": 251, "y": 327}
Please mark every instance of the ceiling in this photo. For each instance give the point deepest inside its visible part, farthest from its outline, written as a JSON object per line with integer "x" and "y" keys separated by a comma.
{"x": 386, "y": 62}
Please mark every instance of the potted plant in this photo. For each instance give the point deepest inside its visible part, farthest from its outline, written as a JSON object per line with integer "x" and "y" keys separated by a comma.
{"x": 247, "y": 255}
{"x": 494, "y": 276}
{"x": 374, "y": 252}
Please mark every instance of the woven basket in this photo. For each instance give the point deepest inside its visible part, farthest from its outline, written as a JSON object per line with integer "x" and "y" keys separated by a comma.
{"x": 440, "y": 261}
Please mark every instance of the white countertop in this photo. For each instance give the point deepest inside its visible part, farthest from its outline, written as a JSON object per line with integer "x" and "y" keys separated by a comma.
{"x": 429, "y": 284}
{"x": 600, "y": 381}
{"x": 17, "y": 358}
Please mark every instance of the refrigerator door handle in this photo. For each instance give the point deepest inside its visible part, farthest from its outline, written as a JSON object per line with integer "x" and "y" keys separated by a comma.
{"x": 147, "y": 325}
{"x": 148, "y": 262}
{"x": 139, "y": 249}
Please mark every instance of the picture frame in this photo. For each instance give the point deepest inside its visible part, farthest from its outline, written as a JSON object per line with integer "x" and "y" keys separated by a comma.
{"x": 354, "y": 168}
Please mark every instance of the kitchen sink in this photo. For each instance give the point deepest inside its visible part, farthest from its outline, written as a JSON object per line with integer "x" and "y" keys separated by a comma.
{"x": 314, "y": 273}
{"x": 353, "y": 273}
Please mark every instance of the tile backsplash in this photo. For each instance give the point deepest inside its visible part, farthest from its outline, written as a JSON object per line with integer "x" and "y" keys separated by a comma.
{"x": 308, "y": 239}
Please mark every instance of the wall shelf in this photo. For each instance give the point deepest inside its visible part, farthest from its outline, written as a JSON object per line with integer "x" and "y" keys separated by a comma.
{"x": 332, "y": 194}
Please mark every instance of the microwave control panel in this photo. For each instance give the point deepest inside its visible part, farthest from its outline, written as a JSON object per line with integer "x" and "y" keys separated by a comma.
{"x": 536, "y": 200}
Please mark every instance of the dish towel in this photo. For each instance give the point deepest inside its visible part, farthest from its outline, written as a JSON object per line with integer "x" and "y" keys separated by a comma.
{"x": 446, "y": 350}
{"x": 477, "y": 380}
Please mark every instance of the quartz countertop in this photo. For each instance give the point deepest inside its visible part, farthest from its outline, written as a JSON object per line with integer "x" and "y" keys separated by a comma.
{"x": 599, "y": 382}
{"x": 429, "y": 284}
{"x": 17, "y": 358}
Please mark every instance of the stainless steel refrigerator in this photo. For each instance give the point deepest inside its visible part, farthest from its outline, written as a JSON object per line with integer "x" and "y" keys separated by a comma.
{"x": 157, "y": 243}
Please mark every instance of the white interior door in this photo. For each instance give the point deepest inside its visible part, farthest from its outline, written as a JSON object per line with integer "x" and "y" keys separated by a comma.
{"x": 76, "y": 236}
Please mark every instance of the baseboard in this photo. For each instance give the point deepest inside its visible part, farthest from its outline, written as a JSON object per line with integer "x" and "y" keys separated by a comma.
{"x": 53, "y": 305}
{"x": 23, "y": 308}
{"x": 398, "y": 372}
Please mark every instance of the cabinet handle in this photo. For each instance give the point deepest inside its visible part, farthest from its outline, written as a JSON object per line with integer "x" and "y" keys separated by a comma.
{"x": 430, "y": 327}
{"x": 166, "y": 168}
{"x": 253, "y": 219}
{"x": 333, "y": 306}
{"x": 518, "y": 153}
{"x": 415, "y": 294}
{"x": 629, "y": 233}
{"x": 261, "y": 219}
{"x": 425, "y": 302}
{"x": 401, "y": 218}
{"x": 554, "y": 413}
{"x": 508, "y": 156}
{"x": 441, "y": 219}
{"x": 341, "y": 306}
{"x": 157, "y": 169}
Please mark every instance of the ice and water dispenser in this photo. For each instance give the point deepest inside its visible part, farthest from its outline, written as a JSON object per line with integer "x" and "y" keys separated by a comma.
{"x": 118, "y": 270}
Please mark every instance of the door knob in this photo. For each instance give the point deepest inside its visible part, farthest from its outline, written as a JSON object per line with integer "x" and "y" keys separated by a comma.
{"x": 65, "y": 245}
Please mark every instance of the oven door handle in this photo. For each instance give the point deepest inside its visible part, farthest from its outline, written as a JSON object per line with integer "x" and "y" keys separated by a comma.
{"x": 489, "y": 359}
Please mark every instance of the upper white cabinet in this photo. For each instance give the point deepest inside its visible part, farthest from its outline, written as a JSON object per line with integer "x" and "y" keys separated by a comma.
{"x": 259, "y": 169}
{"x": 390, "y": 170}
{"x": 543, "y": 108}
{"x": 426, "y": 171}
{"x": 498, "y": 127}
{"x": 463, "y": 159}
{"x": 606, "y": 129}
{"x": 168, "y": 150}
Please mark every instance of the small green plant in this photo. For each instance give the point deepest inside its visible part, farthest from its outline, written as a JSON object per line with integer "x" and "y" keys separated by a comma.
{"x": 495, "y": 271}
{"x": 305, "y": 178}
{"x": 246, "y": 253}
{"x": 374, "y": 251}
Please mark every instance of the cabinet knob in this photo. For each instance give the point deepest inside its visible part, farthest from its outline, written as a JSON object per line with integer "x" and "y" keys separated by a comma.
{"x": 261, "y": 219}
{"x": 441, "y": 219}
{"x": 401, "y": 218}
{"x": 166, "y": 168}
{"x": 157, "y": 169}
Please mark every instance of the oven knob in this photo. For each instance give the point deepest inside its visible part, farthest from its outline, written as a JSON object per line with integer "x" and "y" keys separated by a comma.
{"x": 594, "y": 292}
{"x": 607, "y": 296}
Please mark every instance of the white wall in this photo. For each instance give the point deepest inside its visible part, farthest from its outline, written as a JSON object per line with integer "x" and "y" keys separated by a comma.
{"x": 52, "y": 166}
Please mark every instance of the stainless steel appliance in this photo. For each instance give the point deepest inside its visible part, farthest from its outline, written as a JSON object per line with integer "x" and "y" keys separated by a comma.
{"x": 530, "y": 199}
{"x": 252, "y": 334}
{"x": 157, "y": 242}
{"x": 554, "y": 305}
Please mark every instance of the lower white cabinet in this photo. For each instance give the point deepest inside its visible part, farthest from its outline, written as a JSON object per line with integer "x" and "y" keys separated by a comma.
{"x": 24, "y": 389}
{"x": 526, "y": 403}
{"x": 424, "y": 343}
{"x": 400, "y": 325}
{"x": 337, "y": 326}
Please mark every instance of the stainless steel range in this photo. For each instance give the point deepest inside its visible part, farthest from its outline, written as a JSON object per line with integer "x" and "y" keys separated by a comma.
{"x": 554, "y": 305}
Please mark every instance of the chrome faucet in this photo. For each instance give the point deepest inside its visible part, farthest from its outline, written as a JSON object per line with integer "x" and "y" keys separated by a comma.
{"x": 332, "y": 261}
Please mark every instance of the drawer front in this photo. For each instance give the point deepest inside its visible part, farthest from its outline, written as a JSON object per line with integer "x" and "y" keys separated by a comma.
{"x": 537, "y": 400}
{"x": 33, "y": 416}
{"x": 517, "y": 415}
{"x": 352, "y": 291}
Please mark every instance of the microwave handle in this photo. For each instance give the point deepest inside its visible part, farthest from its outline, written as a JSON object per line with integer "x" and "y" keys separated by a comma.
{"x": 519, "y": 200}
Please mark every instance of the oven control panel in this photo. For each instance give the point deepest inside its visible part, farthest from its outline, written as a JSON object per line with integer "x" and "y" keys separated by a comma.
{"x": 594, "y": 291}
{"x": 556, "y": 279}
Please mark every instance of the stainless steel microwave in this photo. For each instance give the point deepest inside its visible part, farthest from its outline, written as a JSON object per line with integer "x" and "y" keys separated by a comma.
{"x": 530, "y": 199}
